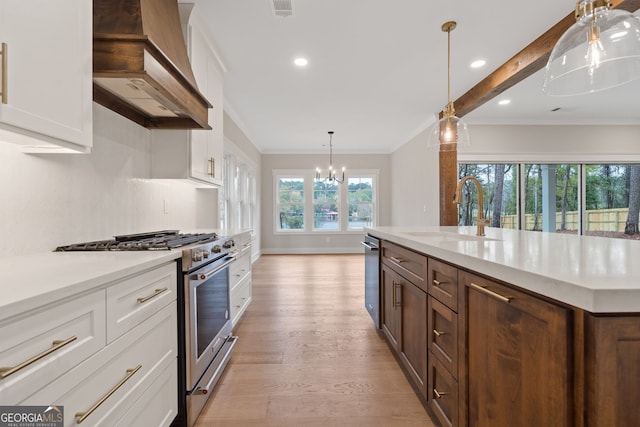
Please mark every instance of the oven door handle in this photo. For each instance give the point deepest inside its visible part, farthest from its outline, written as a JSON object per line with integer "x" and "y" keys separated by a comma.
{"x": 206, "y": 275}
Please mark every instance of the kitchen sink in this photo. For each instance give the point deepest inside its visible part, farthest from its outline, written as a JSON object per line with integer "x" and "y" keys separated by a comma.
{"x": 444, "y": 236}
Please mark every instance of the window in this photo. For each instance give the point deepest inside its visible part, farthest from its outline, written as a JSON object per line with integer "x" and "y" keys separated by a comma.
{"x": 326, "y": 205}
{"x": 500, "y": 190}
{"x": 290, "y": 203}
{"x": 361, "y": 202}
{"x": 304, "y": 204}
{"x": 551, "y": 197}
{"x": 591, "y": 199}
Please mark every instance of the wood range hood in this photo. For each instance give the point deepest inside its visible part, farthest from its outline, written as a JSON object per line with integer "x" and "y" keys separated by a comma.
{"x": 141, "y": 69}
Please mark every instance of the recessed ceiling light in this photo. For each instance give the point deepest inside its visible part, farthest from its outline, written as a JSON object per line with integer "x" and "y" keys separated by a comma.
{"x": 479, "y": 63}
{"x": 301, "y": 62}
{"x": 504, "y": 102}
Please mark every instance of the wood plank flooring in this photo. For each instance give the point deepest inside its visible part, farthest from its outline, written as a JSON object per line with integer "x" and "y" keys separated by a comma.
{"x": 309, "y": 355}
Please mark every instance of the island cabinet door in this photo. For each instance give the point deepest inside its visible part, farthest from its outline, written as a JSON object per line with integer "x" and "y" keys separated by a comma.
{"x": 390, "y": 283}
{"x": 612, "y": 365}
{"x": 413, "y": 344}
{"x": 517, "y": 367}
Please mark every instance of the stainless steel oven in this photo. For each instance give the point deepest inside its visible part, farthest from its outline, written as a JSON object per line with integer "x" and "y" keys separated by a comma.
{"x": 208, "y": 333}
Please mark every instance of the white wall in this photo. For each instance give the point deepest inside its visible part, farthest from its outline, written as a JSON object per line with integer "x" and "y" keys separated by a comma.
{"x": 553, "y": 143}
{"x": 52, "y": 200}
{"x": 325, "y": 242}
{"x": 414, "y": 183}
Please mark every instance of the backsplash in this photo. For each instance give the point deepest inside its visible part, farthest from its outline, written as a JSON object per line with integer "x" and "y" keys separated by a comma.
{"x": 51, "y": 200}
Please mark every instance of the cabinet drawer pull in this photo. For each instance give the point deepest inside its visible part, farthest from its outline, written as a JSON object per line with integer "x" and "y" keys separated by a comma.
{"x": 438, "y": 282}
{"x": 491, "y": 293}
{"x": 396, "y": 260}
{"x": 153, "y": 295}
{"x": 57, "y": 345}
{"x": 3, "y": 86}
{"x": 438, "y": 394}
{"x": 438, "y": 333}
{"x": 81, "y": 416}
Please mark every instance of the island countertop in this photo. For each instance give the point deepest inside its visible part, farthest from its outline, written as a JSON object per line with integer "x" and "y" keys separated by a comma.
{"x": 596, "y": 274}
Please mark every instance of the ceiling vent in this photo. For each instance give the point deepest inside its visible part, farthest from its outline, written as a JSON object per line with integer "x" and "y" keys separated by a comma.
{"x": 282, "y": 8}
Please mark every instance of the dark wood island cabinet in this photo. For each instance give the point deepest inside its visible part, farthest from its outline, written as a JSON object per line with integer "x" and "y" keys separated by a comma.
{"x": 482, "y": 352}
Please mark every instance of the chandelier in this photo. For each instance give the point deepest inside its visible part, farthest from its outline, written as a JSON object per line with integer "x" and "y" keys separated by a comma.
{"x": 450, "y": 131}
{"x": 331, "y": 176}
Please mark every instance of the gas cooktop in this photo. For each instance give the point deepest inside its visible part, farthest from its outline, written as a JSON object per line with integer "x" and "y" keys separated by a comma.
{"x": 151, "y": 241}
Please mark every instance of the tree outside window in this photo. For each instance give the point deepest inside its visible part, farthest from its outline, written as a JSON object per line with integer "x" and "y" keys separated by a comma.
{"x": 360, "y": 198}
{"x": 290, "y": 208}
{"x": 326, "y": 206}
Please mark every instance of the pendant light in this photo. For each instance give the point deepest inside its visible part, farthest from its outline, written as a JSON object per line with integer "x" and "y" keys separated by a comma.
{"x": 600, "y": 51}
{"x": 331, "y": 175}
{"x": 450, "y": 132}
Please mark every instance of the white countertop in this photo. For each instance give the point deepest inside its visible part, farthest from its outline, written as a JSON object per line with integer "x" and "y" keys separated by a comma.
{"x": 600, "y": 275}
{"x": 30, "y": 281}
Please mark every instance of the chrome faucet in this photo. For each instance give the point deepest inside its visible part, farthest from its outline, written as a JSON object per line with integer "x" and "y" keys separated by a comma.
{"x": 457, "y": 199}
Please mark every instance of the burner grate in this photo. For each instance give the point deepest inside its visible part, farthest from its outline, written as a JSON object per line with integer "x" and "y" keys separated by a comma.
{"x": 153, "y": 241}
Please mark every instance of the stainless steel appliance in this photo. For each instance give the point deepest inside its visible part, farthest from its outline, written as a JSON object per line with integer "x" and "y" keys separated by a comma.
{"x": 205, "y": 339}
{"x": 208, "y": 338}
{"x": 372, "y": 277}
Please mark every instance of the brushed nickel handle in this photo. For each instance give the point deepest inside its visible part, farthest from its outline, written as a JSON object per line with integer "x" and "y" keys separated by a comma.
{"x": 212, "y": 166}
{"x": 57, "y": 345}
{"x": 438, "y": 282}
{"x": 491, "y": 293}
{"x": 153, "y": 295}
{"x": 3, "y": 86}
{"x": 81, "y": 416}
{"x": 438, "y": 394}
{"x": 438, "y": 333}
{"x": 398, "y": 260}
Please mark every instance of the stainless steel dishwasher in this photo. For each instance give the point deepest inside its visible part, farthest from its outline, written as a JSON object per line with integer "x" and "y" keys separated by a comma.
{"x": 372, "y": 277}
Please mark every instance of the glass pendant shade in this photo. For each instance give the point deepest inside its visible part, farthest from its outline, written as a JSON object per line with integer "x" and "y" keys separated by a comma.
{"x": 600, "y": 51}
{"x": 450, "y": 132}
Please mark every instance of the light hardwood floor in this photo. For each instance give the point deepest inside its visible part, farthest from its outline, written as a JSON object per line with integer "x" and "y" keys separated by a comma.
{"x": 308, "y": 353}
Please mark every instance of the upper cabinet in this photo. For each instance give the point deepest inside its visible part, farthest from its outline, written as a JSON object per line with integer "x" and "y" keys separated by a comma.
{"x": 46, "y": 75}
{"x": 195, "y": 154}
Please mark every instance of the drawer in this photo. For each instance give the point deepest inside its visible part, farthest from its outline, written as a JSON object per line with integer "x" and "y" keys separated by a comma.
{"x": 132, "y": 301}
{"x": 443, "y": 394}
{"x": 442, "y": 283}
{"x": 443, "y": 334}
{"x": 63, "y": 334}
{"x": 239, "y": 269}
{"x": 410, "y": 264}
{"x": 158, "y": 405}
{"x": 120, "y": 373}
{"x": 240, "y": 299}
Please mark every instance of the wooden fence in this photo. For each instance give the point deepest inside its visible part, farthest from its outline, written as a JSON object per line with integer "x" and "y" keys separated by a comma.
{"x": 597, "y": 220}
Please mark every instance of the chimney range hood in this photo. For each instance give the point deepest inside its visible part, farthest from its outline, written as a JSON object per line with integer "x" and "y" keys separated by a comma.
{"x": 140, "y": 65}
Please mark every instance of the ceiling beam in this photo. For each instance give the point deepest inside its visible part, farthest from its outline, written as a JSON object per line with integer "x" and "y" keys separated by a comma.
{"x": 523, "y": 64}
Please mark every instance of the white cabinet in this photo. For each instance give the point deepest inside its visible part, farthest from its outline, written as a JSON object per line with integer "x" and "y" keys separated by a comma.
{"x": 195, "y": 154}
{"x": 48, "y": 65}
{"x": 240, "y": 277}
{"x": 121, "y": 368}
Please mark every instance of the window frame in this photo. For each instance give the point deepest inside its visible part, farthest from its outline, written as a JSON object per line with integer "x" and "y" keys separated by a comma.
{"x": 309, "y": 179}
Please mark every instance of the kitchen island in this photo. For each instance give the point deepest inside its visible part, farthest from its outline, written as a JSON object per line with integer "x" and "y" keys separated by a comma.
{"x": 515, "y": 328}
